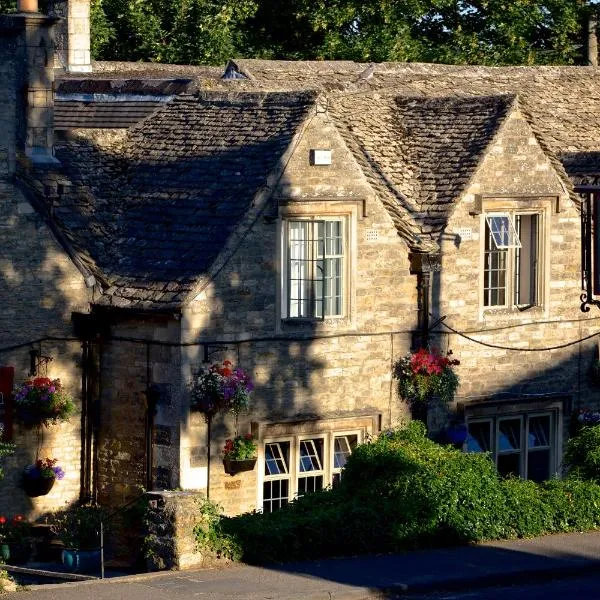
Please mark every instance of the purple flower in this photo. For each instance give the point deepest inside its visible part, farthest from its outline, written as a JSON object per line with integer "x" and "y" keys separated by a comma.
{"x": 58, "y": 472}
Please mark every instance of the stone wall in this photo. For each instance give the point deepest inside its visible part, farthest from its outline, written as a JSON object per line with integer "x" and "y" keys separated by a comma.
{"x": 170, "y": 542}
{"x": 39, "y": 289}
{"x": 320, "y": 370}
{"x": 134, "y": 373}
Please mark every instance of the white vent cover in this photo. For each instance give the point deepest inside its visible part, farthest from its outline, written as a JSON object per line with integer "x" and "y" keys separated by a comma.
{"x": 320, "y": 157}
{"x": 372, "y": 235}
{"x": 466, "y": 234}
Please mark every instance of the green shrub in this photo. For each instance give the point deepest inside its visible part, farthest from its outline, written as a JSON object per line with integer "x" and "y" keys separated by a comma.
{"x": 582, "y": 456}
{"x": 404, "y": 491}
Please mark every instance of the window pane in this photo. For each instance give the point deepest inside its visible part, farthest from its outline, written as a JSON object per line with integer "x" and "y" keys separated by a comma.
{"x": 479, "y": 437}
{"x": 315, "y": 268}
{"x": 526, "y": 260}
{"x": 307, "y": 485}
{"x": 503, "y": 232}
{"x": 275, "y": 494}
{"x": 311, "y": 455}
{"x": 509, "y": 435}
{"x": 342, "y": 448}
{"x": 539, "y": 432}
{"x": 538, "y": 465}
{"x": 509, "y": 464}
{"x": 494, "y": 276}
{"x": 277, "y": 458}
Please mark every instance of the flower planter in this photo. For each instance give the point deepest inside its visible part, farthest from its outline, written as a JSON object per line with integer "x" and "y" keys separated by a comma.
{"x": 15, "y": 553}
{"x": 233, "y": 467}
{"x": 37, "y": 486}
{"x": 81, "y": 561}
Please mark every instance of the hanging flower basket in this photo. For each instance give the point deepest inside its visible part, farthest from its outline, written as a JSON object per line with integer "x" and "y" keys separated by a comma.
{"x": 39, "y": 478}
{"x": 221, "y": 388}
{"x": 42, "y": 402}
{"x": 424, "y": 374}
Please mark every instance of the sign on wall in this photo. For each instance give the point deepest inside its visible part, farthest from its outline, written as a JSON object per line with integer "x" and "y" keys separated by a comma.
{"x": 7, "y": 377}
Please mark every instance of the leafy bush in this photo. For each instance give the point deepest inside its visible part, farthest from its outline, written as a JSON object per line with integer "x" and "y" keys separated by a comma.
{"x": 582, "y": 456}
{"x": 404, "y": 491}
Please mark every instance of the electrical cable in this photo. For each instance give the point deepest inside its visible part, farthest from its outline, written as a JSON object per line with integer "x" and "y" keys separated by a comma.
{"x": 510, "y": 349}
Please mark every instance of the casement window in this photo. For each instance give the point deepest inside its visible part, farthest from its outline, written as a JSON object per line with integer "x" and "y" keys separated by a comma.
{"x": 512, "y": 265}
{"x": 293, "y": 467}
{"x": 314, "y": 268}
{"x": 523, "y": 444}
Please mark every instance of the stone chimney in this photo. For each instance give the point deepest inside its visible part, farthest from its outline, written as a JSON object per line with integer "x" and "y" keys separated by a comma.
{"x": 72, "y": 35}
{"x": 26, "y": 94}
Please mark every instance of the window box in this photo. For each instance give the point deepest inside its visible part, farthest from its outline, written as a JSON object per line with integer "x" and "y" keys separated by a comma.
{"x": 233, "y": 467}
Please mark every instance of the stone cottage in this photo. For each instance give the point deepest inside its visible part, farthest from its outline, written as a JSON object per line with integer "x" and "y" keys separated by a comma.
{"x": 311, "y": 222}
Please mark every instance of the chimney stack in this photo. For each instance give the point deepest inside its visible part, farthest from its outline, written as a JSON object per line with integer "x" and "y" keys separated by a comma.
{"x": 72, "y": 34}
{"x": 26, "y": 95}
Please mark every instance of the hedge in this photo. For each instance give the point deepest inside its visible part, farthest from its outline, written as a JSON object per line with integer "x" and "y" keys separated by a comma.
{"x": 403, "y": 492}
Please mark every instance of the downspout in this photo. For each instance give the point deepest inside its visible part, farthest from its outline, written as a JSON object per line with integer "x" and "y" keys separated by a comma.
{"x": 84, "y": 485}
{"x": 422, "y": 264}
{"x": 150, "y": 408}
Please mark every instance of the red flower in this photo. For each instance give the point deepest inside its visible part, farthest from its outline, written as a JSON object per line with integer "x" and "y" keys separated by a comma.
{"x": 41, "y": 381}
{"x": 248, "y": 436}
{"x": 18, "y": 518}
{"x": 2, "y": 519}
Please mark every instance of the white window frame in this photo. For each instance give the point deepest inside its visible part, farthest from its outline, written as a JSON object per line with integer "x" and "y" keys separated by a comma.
{"x": 285, "y": 308}
{"x": 279, "y": 477}
{"x": 511, "y": 250}
{"x": 294, "y": 474}
{"x": 524, "y": 449}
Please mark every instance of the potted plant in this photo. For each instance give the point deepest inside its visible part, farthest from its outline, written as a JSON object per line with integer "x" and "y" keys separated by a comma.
{"x": 424, "y": 374}
{"x": 39, "y": 478}
{"x": 239, "y": 454}
{"x": 79, "y": 530}
{"x": 42, "y": 402}
{"x": 15, "y": 540}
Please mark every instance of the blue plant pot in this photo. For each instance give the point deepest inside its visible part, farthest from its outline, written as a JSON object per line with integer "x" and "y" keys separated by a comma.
{"x": 81, "y": 561}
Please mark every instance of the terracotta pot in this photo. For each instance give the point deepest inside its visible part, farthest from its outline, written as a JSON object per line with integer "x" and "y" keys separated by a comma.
{"x": 27, "y": 5}
{"x": 233, "y": 467}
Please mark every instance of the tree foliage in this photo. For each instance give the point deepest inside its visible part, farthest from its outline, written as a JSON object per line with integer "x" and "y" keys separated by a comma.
{"x": 490, "y": 32}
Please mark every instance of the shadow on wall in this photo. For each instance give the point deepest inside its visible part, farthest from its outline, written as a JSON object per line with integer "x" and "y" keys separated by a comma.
{"x": 39, "y": 288}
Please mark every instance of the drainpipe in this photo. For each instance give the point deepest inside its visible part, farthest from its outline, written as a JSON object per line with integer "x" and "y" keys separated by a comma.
{"x": 422, "y": 264}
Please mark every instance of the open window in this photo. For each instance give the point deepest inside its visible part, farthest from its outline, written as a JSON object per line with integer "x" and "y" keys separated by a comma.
{"x": 512, "y": 250}
{"x": 302, "y": 464}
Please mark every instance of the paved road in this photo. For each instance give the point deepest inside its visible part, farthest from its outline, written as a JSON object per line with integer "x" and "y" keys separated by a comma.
{"x": 463, "y": 569}
{"x": 581, "y": 588}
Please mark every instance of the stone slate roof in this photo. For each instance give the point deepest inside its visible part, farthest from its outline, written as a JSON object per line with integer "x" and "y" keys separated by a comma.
{"x": 121, "y": 114}
{"x": 150, "y": 216}
{"x": 423, "y": 150}
{"x": 149, "y": 211}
